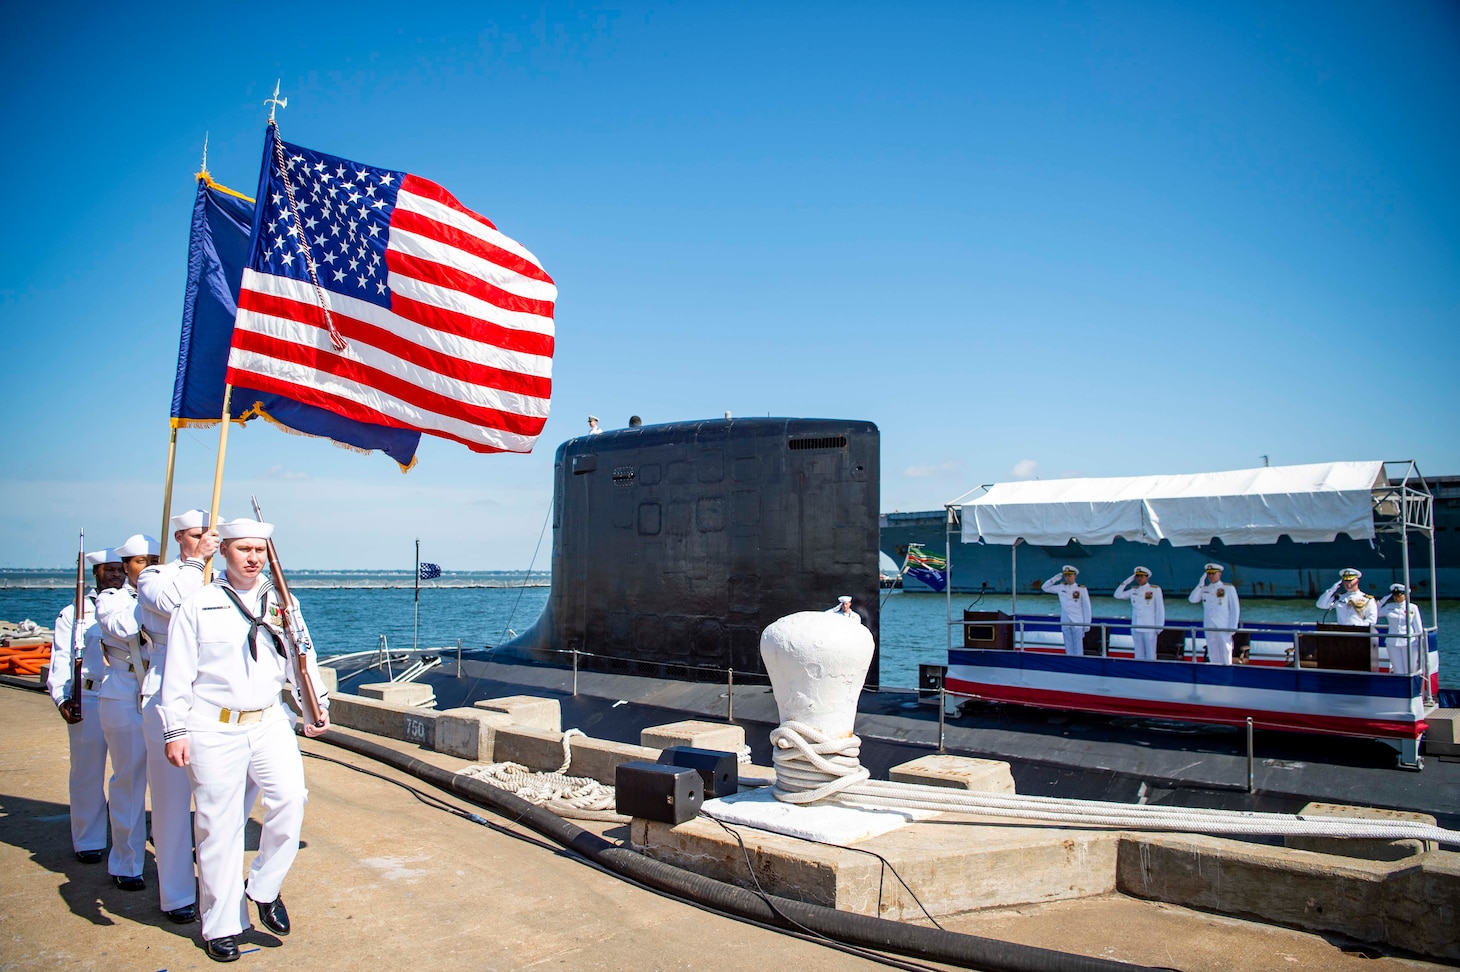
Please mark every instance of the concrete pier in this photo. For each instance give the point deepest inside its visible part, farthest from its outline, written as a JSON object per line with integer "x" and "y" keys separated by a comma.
{"x": 384, "y": 880}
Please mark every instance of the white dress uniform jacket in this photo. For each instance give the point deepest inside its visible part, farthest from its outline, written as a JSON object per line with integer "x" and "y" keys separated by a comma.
{"x": 160, "y": 589}
{"x": 1147, "y": 616}
{"x": 221, "y": 691}
{"x": 120, "y": 710}
{"x": 1350, "y": 607}
{"x": 86, "y": 739}
{"x": 1220, "y": 608}
{"x": 1404, "y": 648}
{"x": 1074, "y": 612}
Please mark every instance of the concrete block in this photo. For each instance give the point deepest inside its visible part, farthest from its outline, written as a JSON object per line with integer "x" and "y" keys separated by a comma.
{"x": 1369, "y": 850}
{"x": 705, "y": 735}
{"x": 956, "y": 772}
{"x": 469, "y": 733}
{"x": 542, "y": 750}
{"x": 329, "y": 679}
{"x": 527, "y": 710}
{"x": 404, "y": 722}
{"x": 398, "y": 693}
{"x": 1413, "y": 905}
{"x": 952, "y": 864}
{"x": 1443, "y": 736}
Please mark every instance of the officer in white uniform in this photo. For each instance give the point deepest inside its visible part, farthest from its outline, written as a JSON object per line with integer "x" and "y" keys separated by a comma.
{"x": 843, "y": 609}
{"x": 1074, "y": 607}
{"x": 120, "y": 711}
{"x": 1405, "y": 631}
{"x": 1350, "y": 605}
{"x": 160, "y": 589}
{"x": 83, "y": 730}
{"x": 227, "y": 662}
{"x": 593, "y": 428}
{"x": 1220, "y": 609}
{"x": 1147, "y": 612}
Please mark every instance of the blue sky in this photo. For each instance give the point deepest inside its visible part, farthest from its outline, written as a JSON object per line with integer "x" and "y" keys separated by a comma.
{"x": 1025, "y": 239}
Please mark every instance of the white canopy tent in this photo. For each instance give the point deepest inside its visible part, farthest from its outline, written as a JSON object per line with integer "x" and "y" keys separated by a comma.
{"x": 1310, "y": 503}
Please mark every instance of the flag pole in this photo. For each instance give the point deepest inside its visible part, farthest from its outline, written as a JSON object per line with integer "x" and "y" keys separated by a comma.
{"x": 218, "y": 473}
{"x": 416, "y": 625}
{"x": 167, "y": 496}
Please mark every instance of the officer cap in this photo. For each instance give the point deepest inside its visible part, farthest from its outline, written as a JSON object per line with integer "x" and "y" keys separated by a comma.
{"x": 1142, "y": 570}
{"x": 137, "y": 545}
{"x": 244, "y": 527}
{"x": 1349, "y": 572}
{"x": 190, "y": 520}
{"x": 1068, "y": 569}
{"x": 1217, "y": 567}
{"x": 593, "y": 418}
{"x": 1398, "y": 589}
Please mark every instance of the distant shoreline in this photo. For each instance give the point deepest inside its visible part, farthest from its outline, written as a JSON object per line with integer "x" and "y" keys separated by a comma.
{"x": 56, "y": 578}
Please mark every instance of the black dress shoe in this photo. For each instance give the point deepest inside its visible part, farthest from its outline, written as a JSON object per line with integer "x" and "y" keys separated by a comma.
{"x": 222, "y": 949}
{"x": 129, "y": 883}
{"x": 91, "y": 856}
{"x": 185, "y": 915}
{"x": 273, "y": 915}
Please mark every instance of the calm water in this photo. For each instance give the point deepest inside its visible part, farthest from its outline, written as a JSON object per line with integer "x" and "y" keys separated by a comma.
{"x": 349, "y": 611}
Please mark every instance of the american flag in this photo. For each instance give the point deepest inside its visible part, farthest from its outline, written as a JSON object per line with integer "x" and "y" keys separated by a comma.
{"x": 447, "y": 324}
{"x": 430, "y": 571}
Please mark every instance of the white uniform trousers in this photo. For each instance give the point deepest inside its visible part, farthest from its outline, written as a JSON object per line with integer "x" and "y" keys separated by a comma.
{"x": 172, "y": 831}
{"x": 1074, "y": 638}
{"x": 1219, "y": 647}
{"x": 220, "y": 764}
{"x": 88, "y": 777}
{"x": 121, "y": 723}
{"x": 1145, "y": 644}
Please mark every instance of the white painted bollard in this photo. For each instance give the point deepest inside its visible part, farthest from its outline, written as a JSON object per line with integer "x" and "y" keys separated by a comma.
{"x": 817, "y": 663}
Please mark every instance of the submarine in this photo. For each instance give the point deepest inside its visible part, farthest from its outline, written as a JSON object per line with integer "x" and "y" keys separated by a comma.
{"x": 674, "y": 546}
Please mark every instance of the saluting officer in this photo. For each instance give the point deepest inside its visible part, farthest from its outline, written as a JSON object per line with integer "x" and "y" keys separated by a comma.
{"x": 1350, "y": 605}
{"x": 120, "y": 711}
{"x": 1405, "y": 631}
{"x": 227, "y": 662}
{"x": 160, "y": 589}
{"x": 1074, "y": 607}
{"x": 1220, "y": 609}
{"x": 1147, "y": 612}
{"x": 83, "y": 730}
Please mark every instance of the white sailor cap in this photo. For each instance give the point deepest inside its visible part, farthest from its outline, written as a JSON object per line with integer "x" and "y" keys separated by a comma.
{"x": 1069, "y": 569}
{"x": 137, "y": 545}
{"x": 1350, "y": 572}
{"x": 110, "y": 556}
{"x": 1142, "y": 570}
{"x": 244, "y": 527}
{"x": 190, "y": 520}
{"x": 845, "y": 599}
{"x": 1398, "y": 589}
{"x": 96, "y": 558}
{"x": 1217, "y": 567}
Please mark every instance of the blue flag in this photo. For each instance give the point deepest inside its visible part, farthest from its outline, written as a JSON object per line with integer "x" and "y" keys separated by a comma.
{"x": 217, "y": 252}
{"x": 928, "y": 568}
{"x": 430, "y": 571}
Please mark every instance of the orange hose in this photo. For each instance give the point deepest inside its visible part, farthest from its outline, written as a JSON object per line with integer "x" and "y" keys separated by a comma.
{"x": 25, "y": 660}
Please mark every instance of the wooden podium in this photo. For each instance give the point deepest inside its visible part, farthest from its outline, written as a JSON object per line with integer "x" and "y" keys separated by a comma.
{"x": 988, "y": 634}
{"x": 1319, "y": 649}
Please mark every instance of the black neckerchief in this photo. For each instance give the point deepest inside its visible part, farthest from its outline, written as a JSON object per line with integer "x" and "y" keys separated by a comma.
{"x": 255, "y": 624}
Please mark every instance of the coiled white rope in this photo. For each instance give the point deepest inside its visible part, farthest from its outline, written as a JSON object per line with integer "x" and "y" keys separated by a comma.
{"x": 810, "y": 766}
{"x": 575, "y": 797}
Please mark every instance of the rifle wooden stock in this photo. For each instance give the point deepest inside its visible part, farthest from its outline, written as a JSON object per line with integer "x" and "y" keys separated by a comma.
{"x": 76, "y": 622}
{"x": 306, "y": 681}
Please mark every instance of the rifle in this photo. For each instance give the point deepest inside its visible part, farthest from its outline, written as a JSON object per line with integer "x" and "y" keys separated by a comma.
{"x": 293, "y": 626}
{"x": 76, "y": 622}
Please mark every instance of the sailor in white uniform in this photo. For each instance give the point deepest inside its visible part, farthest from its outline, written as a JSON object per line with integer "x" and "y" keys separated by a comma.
{"x": 1221, "y": 613}
{"x": 160, "y": 589}
{"x": 120, "y": 711}
{"x": 83, "y": 730}
{"x": 1405, "y": 631}
{"x": 1349, "y": 604}
{"x": 593, "y": 428}
{"x": 843, "y": 609}
{"x": 1147, "y": 612}
{"x": 227, "y": 660}
{"x": 1074, "y": 607}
